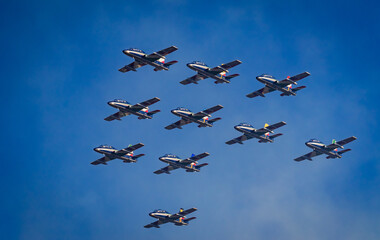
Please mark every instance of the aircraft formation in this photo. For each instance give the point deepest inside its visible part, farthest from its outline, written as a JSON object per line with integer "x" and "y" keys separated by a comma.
{"x": 202, "y": 119}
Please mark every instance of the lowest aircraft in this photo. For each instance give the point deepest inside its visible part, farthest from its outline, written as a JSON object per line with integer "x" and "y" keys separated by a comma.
{"x": 156, "y": 59}
{"x": 190, "y": 164}
{"x": 218, "y": 73}
{"x": 179, "y": 219}
{"x": 284, "y": 86}
{"x": 330, "y": 150}
{"x": 201, "y": 118}
{"x": 250, "y": 132}
{"x": 110, "y": 153}
{"x": 125, "y": 109}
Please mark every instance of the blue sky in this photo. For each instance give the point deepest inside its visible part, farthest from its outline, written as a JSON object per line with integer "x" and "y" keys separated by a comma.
{"x": 59, "y": 68}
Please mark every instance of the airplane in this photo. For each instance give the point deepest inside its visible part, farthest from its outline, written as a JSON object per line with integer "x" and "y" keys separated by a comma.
{"x": 110, "y": 153}
{"x": 179, "y": 219}
{"x": 200, "y": 118}
{"x": 190, "y": 164}
{"x": 125, "y": 109}
{"x": 156, "y": 59}
{"x": 203, "y": 71}
{"x": 262, "y": 134}
{"x": 284, "y": 86}
{"x": 330, "y": 150}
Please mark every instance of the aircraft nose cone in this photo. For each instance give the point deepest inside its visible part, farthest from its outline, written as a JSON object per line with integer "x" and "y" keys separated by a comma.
{"x": 151, "y": 214}
{"x": 237, "y": 127}
{"x": 125, "y": 51}
{"x": 174, "y": 111}
{"x": 189, "y": 64}
{"x": 111, "y": 103}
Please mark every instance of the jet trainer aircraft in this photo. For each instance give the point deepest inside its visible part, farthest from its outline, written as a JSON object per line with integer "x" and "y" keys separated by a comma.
{"x": 125, "y": 109}
{"x": 156, "y": 59}
{"x": 262, "y": 134}
{"x": 179, "y": 219}
{"x": 284, "y": 86}
{"x": 190, "y": 164}
{"x": 330, "y": 150}
{"x": 110, "y": 153}
{"x": 203, "y": 71}
{"x": 200, "y": 118}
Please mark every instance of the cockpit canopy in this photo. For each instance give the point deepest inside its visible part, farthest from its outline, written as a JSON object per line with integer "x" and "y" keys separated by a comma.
{"x": 106, "y": 146}
{"x": 245, "y": 125}
{"x": 199, "y": 63}
{"x": 314, "y": 140}
{"x": 160, "y": 211}
{"x": 170, "y": 155}
{"x": 182, "y": 109}
{"x": 120, "y": 101}
{"x": 135, "y": 50}
{"x": 267, "y": 76}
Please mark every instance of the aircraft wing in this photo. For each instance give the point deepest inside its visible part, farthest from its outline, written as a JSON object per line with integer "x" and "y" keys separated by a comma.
{"x": 238, "y": 139}
{"x": 129, "y": 149}
{"x": 195, "y": 158}
{"x": 116, "y": 116}
{"x": 145, "y": 104}
{"x": 261, "y": 92}
{"x": 270, "y": 128}
{"x": 193, "y": 79}
{"x": 154, "y": 224}
{"x": 132, "y": 66}
{"x": 341, "y": 143}
{"x": 225, "y": 66}
{"x": 183, "y": 213}
{"x": 308, "y": 156}
{"x": 293, "y": 79}
{"x": 166, "y": 169}
{"x": 207, "y": 112}
{"x": 102, "y": 160}
{"x": 157, "y": 55}
{"x": 178, "y": 124}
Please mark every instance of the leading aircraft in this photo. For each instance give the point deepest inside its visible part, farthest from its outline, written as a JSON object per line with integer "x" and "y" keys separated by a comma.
{"x": 284, "y": 86}
{"x": 250, "y": 132}
{"x": 110, "y": 153}
{"x": 156, "y": 59}
{"x": 330, "y": 150}
{"x": 190, "y": 164}
{"x": 179, "y": 219}
{"x": 125, "y": 109}
{"x": 203, "y": 71}
{"x": 201, "y": 118}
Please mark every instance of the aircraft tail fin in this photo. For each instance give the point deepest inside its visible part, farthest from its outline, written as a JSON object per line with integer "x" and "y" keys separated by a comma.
{"x": 153, "y": 112}
{"x": 168, "y": 64}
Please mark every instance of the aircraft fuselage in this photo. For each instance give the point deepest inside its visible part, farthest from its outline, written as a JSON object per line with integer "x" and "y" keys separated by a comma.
{"x": 126, "y": 108}
{"x": 187, "y": 115}
{"x": 273, "y": 83}
{"x": 250, "y": 131}
{"x": 177, "y": 162}
{"x": 142, "y": 57}
{"x": 112, "y": 153}
{"x": 320, "y": 147}
{"x": 205, "y": 71}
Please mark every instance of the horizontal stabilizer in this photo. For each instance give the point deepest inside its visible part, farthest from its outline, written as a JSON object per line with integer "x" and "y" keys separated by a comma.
{"x": 137, "y": 156}
{"x": 168, "y": 64}
{"x": 275, "y": 135}
{"x": 214, "y": 120}
{"x": 153, "y": 112}
{"x": 201, "y": 165}
{"x": 232, "y": 76}
{"x": 189, "y": 219}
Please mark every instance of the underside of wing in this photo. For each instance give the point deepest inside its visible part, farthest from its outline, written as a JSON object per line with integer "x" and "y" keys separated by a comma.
{"x": 129, "y": 149}
{"x": 162, "y": 53}
{"x": 166, "y": 169}
{"x": 193, "y": 79}
{"x": 260, "y": 92}
{"x": 116, "y": 116}
{"x": 178, "y": 124}
{"x": 145, "y": 104}
{"x": 102, "y": 160}
{"x": 225, "y": 66}
{"x": 131, "y": 67}
{"x": 308, "y": 156}
{"x": 195, "y": 158}
{"x": 154, "y": 224}
{"x": 238, "y": 140}
{"x": 207, "y": 111}
{"x": 293, "y": 79}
